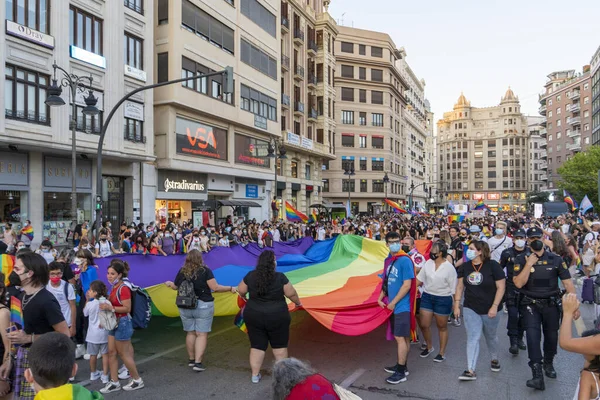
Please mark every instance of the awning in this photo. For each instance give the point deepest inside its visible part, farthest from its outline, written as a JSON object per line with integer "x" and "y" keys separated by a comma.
{"x": 238, "y": 203}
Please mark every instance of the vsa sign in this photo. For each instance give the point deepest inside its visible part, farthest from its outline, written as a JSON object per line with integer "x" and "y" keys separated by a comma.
{"x": 200, "y": 140}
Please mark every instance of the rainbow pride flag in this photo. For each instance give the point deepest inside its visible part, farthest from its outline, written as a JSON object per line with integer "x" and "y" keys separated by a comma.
{"x": 570, "y": 200}
{"x": 28, "y": 231}
{"x": 16, "y": 311}
{"x": 395, "y": 206}
{"x": 239, "y": 317}
{"x": 338, "y": 280}
{"x": 7, "y": 263}
{"x": 481, "y": 205}
{"x": 455, "y": 218}
{"x": 294, "y": 215}
{"x": 314, "y": 216}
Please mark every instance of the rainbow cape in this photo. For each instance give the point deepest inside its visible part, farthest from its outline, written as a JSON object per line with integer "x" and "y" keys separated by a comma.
{"x": 28, "y": 231}
{"x": 294, "y": 215}
{"x": 7, "y": 262}
{"x": 16, "y": 312}
{"x": 570, "y": 200}
{"x": 338, "y": 280}
{"x": 395, "y": 206}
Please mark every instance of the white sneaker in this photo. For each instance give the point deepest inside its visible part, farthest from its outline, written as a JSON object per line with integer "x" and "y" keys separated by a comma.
{"x": 111, "y": 387}
{"x": 79, "y": 351}
{"x": 122, "y": 368}
{"x": 86, "y": 356}
{"x": 256, "y": 378}
{"x": 124, "y": 374}
{"x": 104, "y": 379}
{"x": 94, "y": 376}
{"x": 134, "y": 384}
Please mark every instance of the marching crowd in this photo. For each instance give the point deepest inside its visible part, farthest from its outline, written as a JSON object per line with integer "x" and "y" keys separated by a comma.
{"x": 472, "y": 270}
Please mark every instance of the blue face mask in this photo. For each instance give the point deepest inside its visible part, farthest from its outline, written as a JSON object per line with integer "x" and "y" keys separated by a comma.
{"x": 471, "y": 254}
{"x": 499, "y": 231}
{"x": 394, "y": 248}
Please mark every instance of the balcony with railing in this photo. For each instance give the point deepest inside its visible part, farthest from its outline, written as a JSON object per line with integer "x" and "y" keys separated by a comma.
{"x": 574, "y": 95}
{"x": 312, "y": 114}
{"x": 298, "y": 107}
{"x": 543, "y": 154}
{"x": 574, "y": 146}
{"x": 285, "y": 100}
{"x": 543, "y": 177}
{"x": 285, "y": 24}
{"x": 298, "y": 35}
{"x": 543, "y": 110}
{"x": 298, "y": 72}
{"x": 285, "y": 62}
{"x": 543, "y": 165}
{"x": 312, "y": 47}
{"x": 575, "y": 108}
{"x": 544, "y": 123}
{"x": 543, "y": 132}
{"x": 134, "y": 5}
{"x": 574, "y": 133}
{"x": 543, "y": 145}
{"x": 312, "y": 79}
{"x": 574, "y": 121}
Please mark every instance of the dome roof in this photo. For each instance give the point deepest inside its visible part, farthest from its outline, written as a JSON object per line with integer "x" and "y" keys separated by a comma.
{"x": 510, "y": 96}
{"x": 462, "y": 101}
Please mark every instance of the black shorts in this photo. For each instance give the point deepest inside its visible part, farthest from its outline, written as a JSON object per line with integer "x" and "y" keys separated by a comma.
{"x": 401, "y": 324}
{"x": 418, "y": 306}
{"x": 266, "y": 328}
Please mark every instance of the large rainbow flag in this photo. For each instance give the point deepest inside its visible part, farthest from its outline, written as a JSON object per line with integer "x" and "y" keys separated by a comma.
{"x": 294, "y": 215}
{"x": 338, "y": 280}
{"x": 455, "y": 218}
{"x": 28, "y": 231}
{"x": 7, "y": 263}
{"x": 395, "y": 206}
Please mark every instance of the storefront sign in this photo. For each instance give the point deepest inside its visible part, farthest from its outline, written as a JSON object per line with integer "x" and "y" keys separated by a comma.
{"x": 181, "y": 182}
{"x": 251, "y": 151}
{"x": 87, "y": 56}
{"x": 260, "y": 122}
{"x": 14, "y": 169}
{"x": 252, "y": 191}
{"x": 57, "y": 173}
{"x": 493, "y": 196}
{"x": 135, "y": 73}
{"x": 292, "y": 138}
{"x": 23, "y": 32}
{"x": 307, "y": 143}
{"x": 133, "y": 110}
{"x": 196, "y": 139}
{"x": 478, "y": 196}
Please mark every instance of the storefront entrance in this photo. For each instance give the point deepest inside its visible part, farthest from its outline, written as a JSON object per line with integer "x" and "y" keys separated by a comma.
{"x": 113, "y": 196}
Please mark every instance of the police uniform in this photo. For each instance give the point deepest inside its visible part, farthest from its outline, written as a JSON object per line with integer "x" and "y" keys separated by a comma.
{"x": 514, "y": 325}
{"x": 539, "y": 305}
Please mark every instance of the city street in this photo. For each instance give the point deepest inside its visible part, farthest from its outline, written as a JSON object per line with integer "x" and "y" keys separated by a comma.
{"x": 354, "y": 362}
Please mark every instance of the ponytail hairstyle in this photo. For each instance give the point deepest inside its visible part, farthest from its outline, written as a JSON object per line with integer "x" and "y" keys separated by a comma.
{"x": 120, "y": 267}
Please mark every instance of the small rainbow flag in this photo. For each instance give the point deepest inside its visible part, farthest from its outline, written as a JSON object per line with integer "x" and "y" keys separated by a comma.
{"x": 7, "y": 262}
{"x": 455, "y": 218}
{"x": 294, "y": 215}
{"x": 395, "y": 206}
{"x": 239, "y": 317}
{"x": 570, "y": 200}
{"x": 314, "y": 216}
{"x": 16, "y": 312}
{"x": 28, "y": 231}
{"x": 481, "y": 205}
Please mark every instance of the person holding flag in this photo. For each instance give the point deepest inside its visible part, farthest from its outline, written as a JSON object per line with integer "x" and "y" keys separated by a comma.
{"x": 585, "y": 206}
{"x": 570, "y": 200}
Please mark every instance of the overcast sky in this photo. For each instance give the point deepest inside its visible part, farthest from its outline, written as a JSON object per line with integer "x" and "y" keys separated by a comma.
{"x": 482, "y": 47}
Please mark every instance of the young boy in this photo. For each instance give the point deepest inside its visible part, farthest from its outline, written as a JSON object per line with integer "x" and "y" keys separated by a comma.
{"x": 51, "y": 364}
{"x": 64, "y": 293}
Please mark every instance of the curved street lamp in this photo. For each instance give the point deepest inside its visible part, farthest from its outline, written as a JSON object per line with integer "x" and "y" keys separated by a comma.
{"x": 276, "y": 151}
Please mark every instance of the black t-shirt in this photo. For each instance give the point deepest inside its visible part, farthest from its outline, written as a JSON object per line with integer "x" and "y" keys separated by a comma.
{"x": 273, "y": 300}
{"x": 507, "y": 260}
{"x": 40, "y": 312}
{"x": 3, "y": 247}
{"x": 543, "y": 281}
{"x": 201, "y": 288}
{"x": 480, "y": 288}
{"x": 67, "y": 272}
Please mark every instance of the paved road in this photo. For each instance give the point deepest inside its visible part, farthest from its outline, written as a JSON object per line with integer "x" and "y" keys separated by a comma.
{"x": 355, "y": 361}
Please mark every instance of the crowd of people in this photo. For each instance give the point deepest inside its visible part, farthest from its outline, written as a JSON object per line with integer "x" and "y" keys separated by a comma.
{"x": 473, "y": 269}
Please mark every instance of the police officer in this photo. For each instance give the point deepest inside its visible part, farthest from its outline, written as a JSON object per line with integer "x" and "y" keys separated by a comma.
{"x": 536, "y": 276}
{"x": 507, "y": 261}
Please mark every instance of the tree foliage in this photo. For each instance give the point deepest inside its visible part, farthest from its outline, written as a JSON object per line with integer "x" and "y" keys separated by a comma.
{"x": 537, "y": 197}
{"x": 579, "y": 175}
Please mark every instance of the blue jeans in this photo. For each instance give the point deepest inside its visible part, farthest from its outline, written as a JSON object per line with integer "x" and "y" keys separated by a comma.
{"x": 476, "y": 325}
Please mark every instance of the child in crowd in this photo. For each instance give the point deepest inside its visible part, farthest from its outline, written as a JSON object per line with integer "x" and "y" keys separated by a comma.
{"x": 97, "y": 336}
{"x": 51, "y": 364}
{"x": 47, "y": 251}
{"x": 64, "y": 293}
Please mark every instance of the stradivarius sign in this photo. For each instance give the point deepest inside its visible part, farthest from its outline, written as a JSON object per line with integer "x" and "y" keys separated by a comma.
{"x": 183, "y": 185}
{"x": 170, "y": 181}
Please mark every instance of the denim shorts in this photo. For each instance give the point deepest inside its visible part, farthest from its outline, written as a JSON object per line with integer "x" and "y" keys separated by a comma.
{"x": 198, "y": 319}
{"x": 124, "y": 330}
{"x": 440, "y": 305}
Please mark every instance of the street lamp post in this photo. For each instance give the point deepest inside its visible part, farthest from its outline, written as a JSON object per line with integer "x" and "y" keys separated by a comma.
{"x": 75, "y": 84}
{"x": 386, "y": 180}
{"x": 412, "y": 188}
{"x": 350, "y": 172}
{"x": 277, "y": 152}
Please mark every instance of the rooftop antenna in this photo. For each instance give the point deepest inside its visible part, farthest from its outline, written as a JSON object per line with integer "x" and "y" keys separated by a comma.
{"x": 342, "y": 19}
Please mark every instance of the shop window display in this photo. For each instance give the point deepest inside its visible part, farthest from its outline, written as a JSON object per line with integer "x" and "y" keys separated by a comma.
{"x": 57, "y": 215}
{"x": 13, "y": 210}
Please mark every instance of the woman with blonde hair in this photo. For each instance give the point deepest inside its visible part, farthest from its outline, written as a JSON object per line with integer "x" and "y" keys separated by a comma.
{"x": 196, "y": 282}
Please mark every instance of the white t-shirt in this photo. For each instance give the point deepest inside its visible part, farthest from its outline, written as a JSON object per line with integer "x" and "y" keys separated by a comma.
{"x": 95, "y": 334}
{"x": 321, "y": 233}
{"x": 438, "y": 283}
{"x": 497, "y": 246}
{"x": 59, "y": 293}
{"x": 260, "y": 234}
{"x": 276, "y": 235}
{"x": 105, "y": 250}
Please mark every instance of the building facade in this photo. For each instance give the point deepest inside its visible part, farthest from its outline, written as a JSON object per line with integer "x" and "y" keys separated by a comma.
{"x": 368, "y": 112}
{"x": 483, "y": 154}
{"x": 113, "y": 45}
{"x": 308, "y": 34}
{"x": 595, "y": 82}
{"x": 431, "y": 163}
{"x": 538, "y": 165}
{"x": 567, "y": 107}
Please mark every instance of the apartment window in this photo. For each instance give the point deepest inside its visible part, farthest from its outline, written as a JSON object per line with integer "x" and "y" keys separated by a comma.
{"x": 362, "y": 49}
{"x": 478, "y": 164}
{"x": 478, "y": 185}
{"x": 294, "y": 165}
{"x": 492, "y": 153}
{"x": 376, "y": 52}
{"x": 377, "y": 75}
{"x": 210, "y": 86}
{"x": 347, "y": 164}
{"x": 347, "y": 71}
{"x": 478, "y": 154}
{"x": 362, "y": 142}
{"x": 491, "y": 174}
{"x": 207, "y": 27}
{"x": 492, "y": 185}
{"x": 377, "y": 142}
{"x": 163, "y": 67}
{"x": 163, "y": 12}
{"x": 363, "y": 164}
{"x": 558, "y": 135}
{"x": 347, "y": 94}
{"x": 307, "y": 171}
{"x": 479, "y": 175}
{"x": 135, "y": 5}
{"x": 85, "y": 30}
{"x": 376, "y": 97}
{"x": 25, "y": 94}
{"x": 325, "y": 185}
{"x": 88, "y": 123}
{"x": 378, "y": 186}
{"x": 258, "y": 14}
{"x": 348, "y": 117}
{"x": 348, "y": 185}
{"x": 258, "y": 59}
{"x": 376, "y": 165}
{"x": 377, "y": 119}
{"x": 362, "y": 95}
{"x": 492, "y": 164}
{"x": 347, "y": 47}
{"x": 258, "y": 103}
{"x": 33, "y": 14}
{"x": 134, "y": 130}
{"x": 133, "y": 51}
{"x": 363, "y": 185}
{"x": 362, "y": 73}
{"x": 362, "y": 118}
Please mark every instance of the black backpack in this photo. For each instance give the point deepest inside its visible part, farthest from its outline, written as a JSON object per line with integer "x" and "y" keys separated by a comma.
{"x": 186, "y": 295}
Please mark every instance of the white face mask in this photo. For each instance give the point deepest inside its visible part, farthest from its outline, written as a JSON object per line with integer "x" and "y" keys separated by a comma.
{"x": 77, "y": 261}
{"x": 520, "y": 243}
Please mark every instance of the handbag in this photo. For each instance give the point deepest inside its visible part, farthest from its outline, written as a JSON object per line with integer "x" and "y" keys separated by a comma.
{"x": 107, "y": 319}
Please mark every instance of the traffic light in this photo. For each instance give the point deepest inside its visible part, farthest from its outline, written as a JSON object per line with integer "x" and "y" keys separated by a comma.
{"x": 98, "y": 203}
{"x": 228, "y": 84}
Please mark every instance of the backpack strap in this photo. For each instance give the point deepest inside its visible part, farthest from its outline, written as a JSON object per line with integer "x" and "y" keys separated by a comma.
{"x": 67, "y": 291}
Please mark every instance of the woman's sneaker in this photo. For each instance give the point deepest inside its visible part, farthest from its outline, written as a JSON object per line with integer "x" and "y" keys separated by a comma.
{"x": 391, "y": 370}
{"x": 256, "y": 378}
{"x": 191, "y": 363}
{"x": 495, "y": 366}
{"x": 426, "y": 352}
{"x": 124, "y": 372}
{"x": 104, "y": 379}
{"x": 94, "y": 376}
{"x": 467, "y": 376}
{"x": 199, "y": 367}
{"x": 134, "y": 384}
{"x": 111, "y": 387}
{"x": 439, "y": 358}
